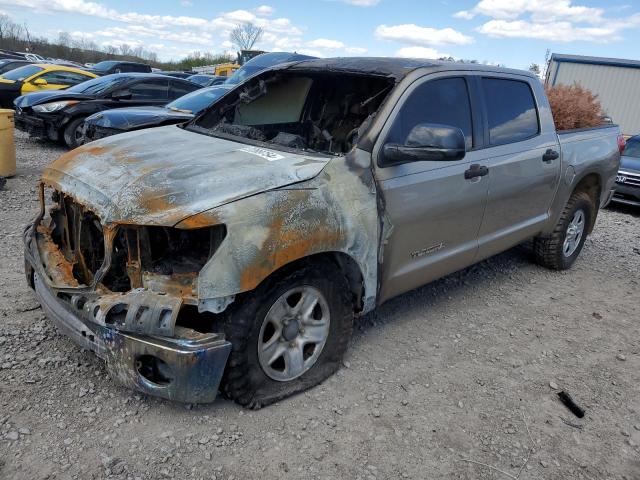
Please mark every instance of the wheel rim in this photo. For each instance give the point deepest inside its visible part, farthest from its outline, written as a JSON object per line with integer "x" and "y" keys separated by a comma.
{"x": 78, "y": 134}
{"x": 293, "y": 333}
{"x": 575, "y": 230}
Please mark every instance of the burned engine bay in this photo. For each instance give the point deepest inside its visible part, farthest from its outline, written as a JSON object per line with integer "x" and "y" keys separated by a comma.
{"x": 317, "y": 112}
{"x": 135, "y": 278}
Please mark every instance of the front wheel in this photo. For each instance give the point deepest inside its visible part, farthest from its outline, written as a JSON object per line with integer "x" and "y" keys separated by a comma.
{"x": 73, "y": 134}
{"x": 288, "y": 335}
{"x": 561, "y": 248}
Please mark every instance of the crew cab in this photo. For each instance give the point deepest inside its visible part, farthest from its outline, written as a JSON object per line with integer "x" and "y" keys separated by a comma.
{"x": 61, "y": 115}
{"x": 235, "y": 251}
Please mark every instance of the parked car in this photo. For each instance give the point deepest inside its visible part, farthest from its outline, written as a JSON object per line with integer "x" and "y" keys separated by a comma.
{"x": 123, "y": 120}
{"x": 10, "y": 64}
{"x": 60, "y": 115}
{"x": 109, "y": 67}
{"x": 120, "y": 120}
{"x": 207, "y": 80}
{"x": 36, "y": 78}
{"x": 246, "y": 241}
{"x": 627, "y": 188}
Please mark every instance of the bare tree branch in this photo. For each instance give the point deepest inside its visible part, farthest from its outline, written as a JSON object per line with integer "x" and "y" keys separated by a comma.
{"x": 246, "y": 35}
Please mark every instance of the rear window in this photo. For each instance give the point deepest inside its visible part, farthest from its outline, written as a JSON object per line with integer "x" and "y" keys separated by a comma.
{"x": 511, "y": 110}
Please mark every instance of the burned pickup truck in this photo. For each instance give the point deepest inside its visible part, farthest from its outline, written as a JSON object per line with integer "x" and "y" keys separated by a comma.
{"x": 233, "y": 252}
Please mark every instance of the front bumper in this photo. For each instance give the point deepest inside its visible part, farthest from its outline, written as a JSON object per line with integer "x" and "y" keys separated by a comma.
{"x": 34, "y": 126}
{"x": 627, "y": 194}
{"x": 93, "y": 132}
{"x": 185, "y": 368}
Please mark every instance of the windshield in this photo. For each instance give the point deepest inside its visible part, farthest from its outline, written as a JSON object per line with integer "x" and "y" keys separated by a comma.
{"x": 197, "y": 101}
{"x": 632, "y": 149}
{"x": 98, "y": 85}
{"x": 319, "y": 112}
{"x": 21, "y": 73}
{"x": 103, "y": 66}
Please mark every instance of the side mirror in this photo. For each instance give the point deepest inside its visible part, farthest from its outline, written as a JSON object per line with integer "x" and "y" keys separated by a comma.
{"x": 124, "y": 94}
{"x": 427, "y": 141}
{"x": 40, "y": 82}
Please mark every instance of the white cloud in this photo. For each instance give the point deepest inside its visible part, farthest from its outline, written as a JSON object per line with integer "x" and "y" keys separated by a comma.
{"x": 551, "y": 20}
{"x": 540, "y": 10}
{"x": 186, "y": 3}
{"x": 265, "y": 10}
{"x": 422, "y": 36}
{"x": 326, "y": 44}
{"x": 362, "y": 3}
{"x": 355, "y": 50}
{"x": 557, "y": 31}
{"x": 420, "y": 52}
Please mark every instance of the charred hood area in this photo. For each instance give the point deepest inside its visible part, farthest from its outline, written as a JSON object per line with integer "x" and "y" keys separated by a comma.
{"x": 309, "y": 111}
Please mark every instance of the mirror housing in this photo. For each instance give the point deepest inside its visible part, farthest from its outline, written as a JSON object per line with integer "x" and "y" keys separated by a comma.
{"x": 427, "y": 142}
{"x": 40, "y": 82}
{"x": 124, "y": 94}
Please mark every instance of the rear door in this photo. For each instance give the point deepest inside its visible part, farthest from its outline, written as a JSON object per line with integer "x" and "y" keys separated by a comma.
{"x": 523, "y": 161}
{"x": 149, "y": 92}
{"x": 435, "y": 212}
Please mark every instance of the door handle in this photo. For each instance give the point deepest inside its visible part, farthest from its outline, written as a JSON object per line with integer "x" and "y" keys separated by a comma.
{"x": 550, "y": 155}
{"x": 476, "y": 170}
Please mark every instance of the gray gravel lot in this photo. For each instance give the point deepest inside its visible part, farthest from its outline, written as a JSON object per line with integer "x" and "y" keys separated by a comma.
{"x": 456, "y": 372}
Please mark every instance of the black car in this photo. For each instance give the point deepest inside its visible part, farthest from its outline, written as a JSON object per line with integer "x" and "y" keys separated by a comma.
{"x": 114, "y": 66}
{"x": 207, "y": 80}
{"x": 8, "y": 64}
{"x": 112, "y": 122}
{"x": 59, "y": 115}
{"x": 627, "y": 187}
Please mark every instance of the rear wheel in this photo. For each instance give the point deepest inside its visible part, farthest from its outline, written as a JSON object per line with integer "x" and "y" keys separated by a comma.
{"x": 288, "y": 335}
{"x": 73, "y": 134}
{"x": 561, "y": 248}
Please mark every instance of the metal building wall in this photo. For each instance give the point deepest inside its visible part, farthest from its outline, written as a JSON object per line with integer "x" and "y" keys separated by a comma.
{"x": 618, "y": 89}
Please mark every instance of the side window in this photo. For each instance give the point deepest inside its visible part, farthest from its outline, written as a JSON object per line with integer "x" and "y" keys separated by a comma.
{"x": 150, "y": 90}
{"x": 444, "y": 101}
{"x": 64, "y": 78}
{"x": 511, "y": 110}
{"x": 179, "y": 89}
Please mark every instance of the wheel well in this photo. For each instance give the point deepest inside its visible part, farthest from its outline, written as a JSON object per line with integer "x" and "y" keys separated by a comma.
{"x": 591, "y": 185}
{"x": 345, "y": 264}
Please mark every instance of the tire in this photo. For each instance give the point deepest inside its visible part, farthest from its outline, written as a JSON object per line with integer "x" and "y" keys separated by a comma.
{"x": 250, "y": 326}
{"x": 561, "y": 248}
{"x": 72, "y": 134}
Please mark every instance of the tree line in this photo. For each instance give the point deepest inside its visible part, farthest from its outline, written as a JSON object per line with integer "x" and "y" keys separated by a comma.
{"x": 17, "y": 37}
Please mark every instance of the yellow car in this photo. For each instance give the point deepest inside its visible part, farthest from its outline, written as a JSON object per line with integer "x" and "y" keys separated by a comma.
{"x": 37, "y": 77}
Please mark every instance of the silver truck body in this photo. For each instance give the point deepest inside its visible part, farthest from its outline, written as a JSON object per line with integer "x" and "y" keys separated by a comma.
{"x": 390, "y": 228}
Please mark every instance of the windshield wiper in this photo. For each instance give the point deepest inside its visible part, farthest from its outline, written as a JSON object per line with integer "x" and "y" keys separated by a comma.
{"x": 181, "y": 110}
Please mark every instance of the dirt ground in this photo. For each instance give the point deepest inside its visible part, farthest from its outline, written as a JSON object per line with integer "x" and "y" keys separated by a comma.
{"x": 457, "y": 372}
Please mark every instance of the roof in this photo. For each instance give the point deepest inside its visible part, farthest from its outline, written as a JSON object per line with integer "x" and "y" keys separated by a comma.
{"x": 62, "y": 68}
{"x": 605, "y": 61}
{"x": 396, "y": 68}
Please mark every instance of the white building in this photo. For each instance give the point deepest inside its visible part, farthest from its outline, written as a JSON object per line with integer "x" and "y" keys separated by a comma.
{"x": 615, "y": 81}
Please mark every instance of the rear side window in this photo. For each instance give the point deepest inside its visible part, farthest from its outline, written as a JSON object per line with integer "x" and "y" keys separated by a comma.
{"x": 444, "y": 102}
{"x": 179, "y": 89}
{"x": 150, "y": 90}
{"x": 511, "y": 110}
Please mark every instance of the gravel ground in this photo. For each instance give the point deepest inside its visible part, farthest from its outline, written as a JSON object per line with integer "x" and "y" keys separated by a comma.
{"x": 463, "y": 370}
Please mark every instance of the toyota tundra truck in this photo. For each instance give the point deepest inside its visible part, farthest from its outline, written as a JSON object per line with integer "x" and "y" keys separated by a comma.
{"x": 233, "y": 253}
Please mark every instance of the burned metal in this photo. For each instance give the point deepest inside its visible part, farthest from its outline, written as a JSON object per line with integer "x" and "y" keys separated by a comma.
{"x": 136, "y": 253}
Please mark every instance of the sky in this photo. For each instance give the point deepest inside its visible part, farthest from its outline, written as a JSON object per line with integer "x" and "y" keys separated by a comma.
{"x": 514, "y": 33}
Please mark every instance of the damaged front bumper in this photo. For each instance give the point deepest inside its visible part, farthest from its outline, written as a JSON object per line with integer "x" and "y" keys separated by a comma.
{"x": 187, "y": 367}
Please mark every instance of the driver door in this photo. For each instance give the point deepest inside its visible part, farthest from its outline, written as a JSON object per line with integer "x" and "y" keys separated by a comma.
{"x": 435, "y": 212}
